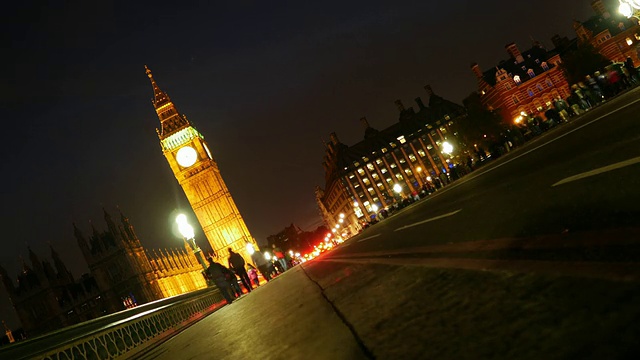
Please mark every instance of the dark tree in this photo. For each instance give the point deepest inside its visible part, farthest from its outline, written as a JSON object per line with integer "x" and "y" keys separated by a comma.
{"x": 583, "y": 61}
{"x": 480, "y": 125}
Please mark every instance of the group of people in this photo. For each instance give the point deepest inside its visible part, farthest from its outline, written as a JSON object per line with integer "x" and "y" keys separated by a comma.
{"x": 586, "y": 94}
{"x": 226, "y": 278}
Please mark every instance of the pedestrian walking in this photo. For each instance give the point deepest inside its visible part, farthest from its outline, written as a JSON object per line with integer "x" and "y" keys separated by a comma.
{"x": 216, "y": 273}
{"x": 280, "y": 257}
{"x": 263, "y": 266}
{"x": 237, "y": 264}
{"x": 253, "y": 274}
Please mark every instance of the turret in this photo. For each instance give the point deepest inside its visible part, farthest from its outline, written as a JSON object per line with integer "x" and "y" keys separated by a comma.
{"x": 35, "y": 262}
{"x": 61, "y": 268}
{"x": 82, "y": 242}
{"x": 113, "y": 229}
{"x": 128, "y": 229}
{"x": 6, "y": 280}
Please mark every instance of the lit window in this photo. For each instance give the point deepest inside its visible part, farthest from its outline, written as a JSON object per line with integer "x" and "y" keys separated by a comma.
{"x": 545, "y": 66}
{"x": 539, "y": 87}
{"x": 515, "y": 99}
{"x": 629, "y": 41}
{"x": 370, "y": 166}
{"x": 517, "y": 80}
{"x": 384, "y": 171}
{"x": 531, "y": 73}
{"x": 378, "y": 161}
{"x": 530, "y": 92}
{"x": 365, "y": 181}
{"x": 421, "y": 153}
{"x": 401, "y": 139}
{"x": 393, "y": 145}
{"x": 360, "y": 171}
{"x": 384, "y": 150}
{"x": 399, "y": 176}
{"x": 393, "y": 166}
{"x": 412, "y": 157}
{"x": 402, "y": 161}
{"x": 408, "y": 171}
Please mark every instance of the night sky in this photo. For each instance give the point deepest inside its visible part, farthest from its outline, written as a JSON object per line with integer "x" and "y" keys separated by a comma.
{"x": 264, "y": 82}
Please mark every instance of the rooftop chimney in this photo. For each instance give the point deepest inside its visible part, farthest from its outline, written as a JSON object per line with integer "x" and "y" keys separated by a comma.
{"x": 399, "y": 105}
{"x": 600, "y": 9}
{"x": 364, "y": 122}
{"x": 334, "y": 138}
{"x": 513, "y": 50}
{"x": 476, "y": 70}
{"x": 420, "y": 103}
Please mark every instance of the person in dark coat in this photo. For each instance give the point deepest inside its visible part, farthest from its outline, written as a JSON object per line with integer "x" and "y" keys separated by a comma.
{"x": 237, "y": 264}
{"x": 216, "y": 273}
{"x": 262, "y": 264}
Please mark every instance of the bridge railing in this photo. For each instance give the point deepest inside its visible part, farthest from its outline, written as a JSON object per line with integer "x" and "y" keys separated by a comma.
{"x": 122, "y": 334}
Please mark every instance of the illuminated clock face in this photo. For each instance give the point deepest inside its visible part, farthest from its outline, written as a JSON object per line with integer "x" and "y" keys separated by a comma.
{"x": 206, "y": 148}
{"x": 186, "y": 156}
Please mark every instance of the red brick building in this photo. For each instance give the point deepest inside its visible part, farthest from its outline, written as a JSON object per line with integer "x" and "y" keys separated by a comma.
{"x": 526, "y": 82}
{"x": 613, "y": 35}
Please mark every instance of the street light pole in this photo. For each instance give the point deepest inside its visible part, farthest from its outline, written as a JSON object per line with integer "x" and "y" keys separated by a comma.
{"x": 188, "y": 234}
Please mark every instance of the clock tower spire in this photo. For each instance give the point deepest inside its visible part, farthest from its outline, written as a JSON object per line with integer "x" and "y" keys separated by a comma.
{"x": 198, "y": 174}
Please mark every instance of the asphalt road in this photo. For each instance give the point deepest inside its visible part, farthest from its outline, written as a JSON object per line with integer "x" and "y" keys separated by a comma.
{"x": 533, "y": 256}
{"x": 580, "y": 177}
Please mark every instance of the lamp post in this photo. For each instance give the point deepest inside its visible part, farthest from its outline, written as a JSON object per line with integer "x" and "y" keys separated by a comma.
{"x": 188, "y": 234}
{"x": 447, "y": 148}
{"x": 630, "y": 8}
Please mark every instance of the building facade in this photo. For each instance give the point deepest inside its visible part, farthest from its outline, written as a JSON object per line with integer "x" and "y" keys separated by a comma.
{"x": 122, "y": 274}
{"x": 360, "y": 179}
{"x": 527, "y": 82}
{"x": 613, "y": 35}
{"x": 198, "y": 174}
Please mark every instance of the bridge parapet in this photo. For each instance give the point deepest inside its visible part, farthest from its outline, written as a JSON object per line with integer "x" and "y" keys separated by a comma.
{"x": 120, "y": 335}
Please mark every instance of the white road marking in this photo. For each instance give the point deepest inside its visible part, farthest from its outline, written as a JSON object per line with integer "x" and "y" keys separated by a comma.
{"x": 429, "y": 220}
{"x": 597, "y": 171}
{"x": 369, "y": 237}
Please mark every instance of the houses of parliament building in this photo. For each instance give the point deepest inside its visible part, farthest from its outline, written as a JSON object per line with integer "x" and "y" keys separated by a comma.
{"x": 122, "y": 274}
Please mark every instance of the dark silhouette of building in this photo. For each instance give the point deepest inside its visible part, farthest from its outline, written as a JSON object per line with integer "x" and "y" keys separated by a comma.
{"x": 122, "y": 274}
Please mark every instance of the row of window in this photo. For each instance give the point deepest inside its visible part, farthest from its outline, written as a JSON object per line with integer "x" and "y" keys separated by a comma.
{"x": 531, "y": 93}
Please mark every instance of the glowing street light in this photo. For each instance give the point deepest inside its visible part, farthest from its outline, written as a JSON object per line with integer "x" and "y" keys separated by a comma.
{"x": 188, "y": 234}
{"x": 250, "y": 248}
{"x": 447, "y": 148}
{"x": 629, "y": 8}
{"x": 374, "y": 207}
{"x": 397, "y": 188}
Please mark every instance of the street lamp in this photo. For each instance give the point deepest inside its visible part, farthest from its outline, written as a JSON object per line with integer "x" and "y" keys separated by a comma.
{"x": 630, "y": 8}
{"x": 250, "y": 249}
{"x": 447, "y": 148}
{"x": 397, "y": 188}
{"x": 188, "y": 234}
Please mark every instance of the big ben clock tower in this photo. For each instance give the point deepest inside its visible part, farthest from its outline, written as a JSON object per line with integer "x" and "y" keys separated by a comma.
{"x": 197, "y": 172}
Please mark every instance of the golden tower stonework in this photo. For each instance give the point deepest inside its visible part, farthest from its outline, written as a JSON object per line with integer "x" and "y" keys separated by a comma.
{"x": 199, "y": 176}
